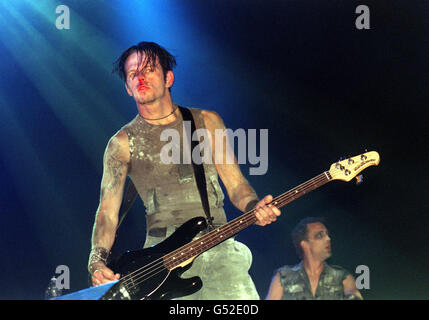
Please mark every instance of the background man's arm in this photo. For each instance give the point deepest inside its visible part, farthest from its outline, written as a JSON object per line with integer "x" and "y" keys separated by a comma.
{"x": 350, "y": 289}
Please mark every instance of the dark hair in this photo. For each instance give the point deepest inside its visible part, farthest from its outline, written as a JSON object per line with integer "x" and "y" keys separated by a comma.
{"x": 152, "y": 51}
{"x": 300, "y": 232}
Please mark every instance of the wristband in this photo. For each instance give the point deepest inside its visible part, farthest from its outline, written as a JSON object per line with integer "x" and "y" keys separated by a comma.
{"x": 251, "y": 205}
{"x": 93, "y": 269}
{"x": 98, "y": 254}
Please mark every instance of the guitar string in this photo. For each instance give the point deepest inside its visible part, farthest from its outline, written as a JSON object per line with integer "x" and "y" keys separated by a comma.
{"x": 280, "y": 200}
{"x": 245, "y": 218}
{"x": 167, "y": 260}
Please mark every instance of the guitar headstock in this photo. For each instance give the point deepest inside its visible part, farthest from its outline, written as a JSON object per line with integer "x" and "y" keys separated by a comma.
{"x": 349, "y": 168}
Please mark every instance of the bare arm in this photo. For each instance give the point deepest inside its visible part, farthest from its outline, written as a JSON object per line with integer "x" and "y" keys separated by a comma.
{"x": 275, "y": 291}
{"x": 115, "y": 169}
{"x": 238, "y": 188}
{"x": 349, "y": 285}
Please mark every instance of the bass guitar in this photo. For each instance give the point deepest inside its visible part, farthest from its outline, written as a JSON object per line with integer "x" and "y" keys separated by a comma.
{"x": 154, "y": 273}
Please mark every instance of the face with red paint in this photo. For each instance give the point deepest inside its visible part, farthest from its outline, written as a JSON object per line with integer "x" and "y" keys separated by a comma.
{"x": 145, "y": 80}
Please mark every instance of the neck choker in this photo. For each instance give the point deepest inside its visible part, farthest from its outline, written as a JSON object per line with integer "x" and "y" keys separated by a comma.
{"x": 174, "y": 109}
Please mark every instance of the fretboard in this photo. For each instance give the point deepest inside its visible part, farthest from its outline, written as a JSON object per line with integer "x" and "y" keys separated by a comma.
{"x": 228, "y": 230}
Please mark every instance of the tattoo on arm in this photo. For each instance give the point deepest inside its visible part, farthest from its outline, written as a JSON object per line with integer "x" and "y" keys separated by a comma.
{"x": 113, "y": 172}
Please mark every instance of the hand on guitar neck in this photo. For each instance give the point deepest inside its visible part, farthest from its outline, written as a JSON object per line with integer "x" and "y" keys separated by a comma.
{"x": 266, "y": 212}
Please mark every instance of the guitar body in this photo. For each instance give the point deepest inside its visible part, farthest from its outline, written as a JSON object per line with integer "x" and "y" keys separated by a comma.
{"x": 144, "y": 275}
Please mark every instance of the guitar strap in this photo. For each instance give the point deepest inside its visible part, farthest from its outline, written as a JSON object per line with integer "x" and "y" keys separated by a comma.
{"x": 131, "y": 192}
{"x": 200, "y": 176}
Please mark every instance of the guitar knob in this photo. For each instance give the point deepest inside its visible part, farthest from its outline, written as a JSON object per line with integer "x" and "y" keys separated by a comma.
{"x": 351, "y": 161}
{"x": 359, "y": 179}
{"x": 337, "y": 166}
{"x": 363, "y": 157}
{"x": 347, "y": 172}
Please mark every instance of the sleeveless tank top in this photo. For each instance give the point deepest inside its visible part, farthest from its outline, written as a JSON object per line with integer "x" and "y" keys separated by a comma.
{"x": 169, "y": 191}
{"x": 296, "y": 285}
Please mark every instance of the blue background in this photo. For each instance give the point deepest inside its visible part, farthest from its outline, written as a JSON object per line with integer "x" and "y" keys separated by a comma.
{"x": 301, "y": 69}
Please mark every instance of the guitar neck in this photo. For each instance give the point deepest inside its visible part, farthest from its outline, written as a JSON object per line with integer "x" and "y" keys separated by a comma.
{"x": 228, "y": 230}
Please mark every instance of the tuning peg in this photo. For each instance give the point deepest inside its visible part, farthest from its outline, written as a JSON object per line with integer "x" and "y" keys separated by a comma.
{"x": 359, "y": 179}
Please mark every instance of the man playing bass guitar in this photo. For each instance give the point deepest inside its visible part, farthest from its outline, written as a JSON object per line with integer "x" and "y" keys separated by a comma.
{"x": 169, "y": 190}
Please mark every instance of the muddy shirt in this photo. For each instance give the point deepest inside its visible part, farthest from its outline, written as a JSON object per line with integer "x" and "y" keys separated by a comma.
{"x": 169, "y": 190}
{"x": 296, "y": 285}
{"x": 170, "y": 195}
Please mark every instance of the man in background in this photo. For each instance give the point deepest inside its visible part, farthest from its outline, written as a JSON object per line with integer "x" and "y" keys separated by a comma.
{"x": 312, "y": 278}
